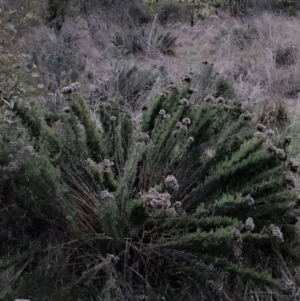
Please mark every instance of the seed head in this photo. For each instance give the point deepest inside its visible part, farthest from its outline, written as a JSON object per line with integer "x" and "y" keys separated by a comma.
{"x": 280, "y": 153}
{"x": 184, "y": 102}
{"x": 249, "y": 200}
{"x": 287, "y": 141}
{"x": 209, "y": 99}
{"x": 184, "y": 128}
{"x": 186, "y": 121}
{"x": 144, "y": 137}
{"x": 113, "y": 118}
{"x": 106, "y": 165}
{"x": 177, "y": 205}
{"x": 167, "y": 116}
{"x": 270, "y": 133}
{"x": 191, "y": 139}
{"x": 170, "y": 211}
{"x": 29, "y": 150}
{"x": 221, "y": 100}
{"x": 249, "y": 224}
{"x": 272, "y": 148}
{"x": 179, "y": 125}
{"x": 162, "y": 112}
{"x": 106, "y": 196}
{"x": 276, "y": 232}
{"x": 171, "y": 182}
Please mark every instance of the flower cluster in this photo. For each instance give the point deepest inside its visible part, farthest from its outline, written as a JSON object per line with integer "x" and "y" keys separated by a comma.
{"x": 162, "y": 201}
{"x": 106, "y": 196}
{"x": 171, "y": 182}
{"x": 249, "y": 225}
{"x": 276, "y": 232}
{"x": 209, "y": 99}
{"x": 144, "y": 137}
{"x": 237, "y": 243}
{"x": 249, "y": 200}
{"x": 191, "y": 140}
{"x": 186, "y": 121}
{"x": 180, "y": 126}
{"x": 184, "y": 102}
{"x": 29, "y": 150}
{"x": 106, "y": 165}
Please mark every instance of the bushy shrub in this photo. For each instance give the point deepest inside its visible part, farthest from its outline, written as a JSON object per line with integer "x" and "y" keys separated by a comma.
{"x": 191, "y": 195}
{"x": 196, "y": 200}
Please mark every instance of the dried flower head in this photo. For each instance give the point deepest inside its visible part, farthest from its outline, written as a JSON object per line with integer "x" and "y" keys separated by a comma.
{"x": 106, "y": 196}
{"x": 221, "y": 100}
{"x": 106, "y": 165}
{"x": 249, "y": 200}
{"x": 209, "y": 99}
{"x": 288, "y": 285}
{"x": 184, "y": 102}
{"x": 113, "y": 118}
{"x": 260, "y": 127}
{"x": 280, "y": 153}
{"x": 249, "y": 224}
{"x": 186, "y": 121}
{"x": 237, "y": 243}
{"x": 276, "y": 232}
{"x": 90, "y": 162}
{"x": 177, "y": 205}
{"x": 156, "y": 200}
{"x": 29, "y": 150}
{"x": 170, "y": 211}
{"x": 179, "y": 125}
{"x": 270, "y": 133}
{"x": 162, "y": 112}
{"x": 20, "y": 131}
{"x": 191, "y": 139}
{"x": 13, "y": 145}
{"x": 171, "y": 182}
{"x": 167, "y": 116}
{"x": 237, "y": 252}
{"x": 272, "y": 148}
{"x": 12, "y": 167}
{"x": 184, "y": 128}
{"x": 144, "y": 137}
{"x": 174, "y": 133}
{"x": 70, "y": 88}
{"x": 287, "y": 141}
{"x": 236, "y": 235}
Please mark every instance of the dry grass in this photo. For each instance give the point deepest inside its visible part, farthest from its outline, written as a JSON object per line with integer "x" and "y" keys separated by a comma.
{"x": 245, "y": 52}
